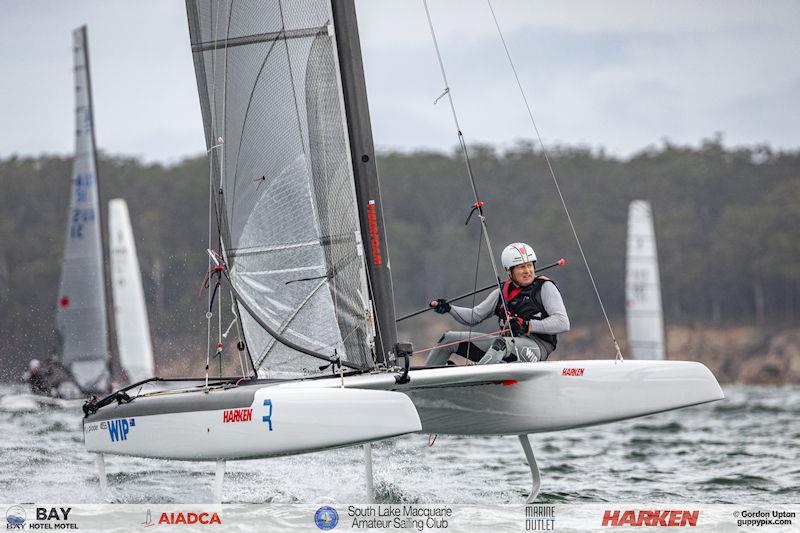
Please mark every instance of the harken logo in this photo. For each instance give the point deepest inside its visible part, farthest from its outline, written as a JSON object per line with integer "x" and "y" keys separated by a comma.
{"x": 237, "y": 415}
{"x": 374, "y": 236}
{"x": 572, "y": 372}
{"x": 657, "y": 518}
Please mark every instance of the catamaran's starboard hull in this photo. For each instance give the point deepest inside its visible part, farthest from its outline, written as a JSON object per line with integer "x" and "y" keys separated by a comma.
{"x": 248, "y": 422}
{"x": 520, "y": 398}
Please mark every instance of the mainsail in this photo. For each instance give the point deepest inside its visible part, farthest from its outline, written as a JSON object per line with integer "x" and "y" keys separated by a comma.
{"x": 278, "y": 107}
{"x": 130, "y": 311}
{"x": 81, "y": 318}
{"x": 643, "y": 286}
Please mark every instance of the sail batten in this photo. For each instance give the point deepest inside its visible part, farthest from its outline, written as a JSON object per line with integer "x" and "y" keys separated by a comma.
{"x": 274, "y": 116}
{"x": 261, "y": 38}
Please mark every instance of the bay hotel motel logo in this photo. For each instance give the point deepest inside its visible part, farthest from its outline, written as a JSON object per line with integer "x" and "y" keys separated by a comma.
{"x": 44, "y": 518}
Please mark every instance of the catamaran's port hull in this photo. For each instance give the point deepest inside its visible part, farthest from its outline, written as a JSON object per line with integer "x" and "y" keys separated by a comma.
{"x": 316, "y": 414}
{"x": 248, "y": 422}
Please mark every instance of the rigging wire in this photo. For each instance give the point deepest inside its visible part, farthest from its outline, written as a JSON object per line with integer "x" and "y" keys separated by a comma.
{"x": 211, "y": 203}
{"x": 478, "y": 205}
{"x": 555, "y": 181}
{"x": 474, "y": 294}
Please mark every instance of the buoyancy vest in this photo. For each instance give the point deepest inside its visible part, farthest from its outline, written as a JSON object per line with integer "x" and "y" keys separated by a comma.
{"x": 526, "y": 303}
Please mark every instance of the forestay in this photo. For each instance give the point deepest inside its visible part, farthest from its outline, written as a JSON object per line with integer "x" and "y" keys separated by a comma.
{"x": 82, "y": 330}
{"x": 274, "y": 118}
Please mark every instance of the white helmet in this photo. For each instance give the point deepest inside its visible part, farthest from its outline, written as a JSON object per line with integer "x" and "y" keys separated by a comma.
{"x": 34, "y": 364}
{"x": 517, "y": 253}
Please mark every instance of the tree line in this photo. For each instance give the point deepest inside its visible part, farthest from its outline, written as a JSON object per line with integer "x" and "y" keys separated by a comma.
{"x": 726, "y": 223}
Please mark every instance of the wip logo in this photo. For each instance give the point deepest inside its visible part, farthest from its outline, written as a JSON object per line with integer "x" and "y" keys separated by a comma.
{"x": 572, "y": 372}
{"x": 629, "y": 517}
{"x": 189, "y": 518}
{"x": 374, "y": 238}
{"x": 118, "y": 429}
{"x": 237, "y": 415}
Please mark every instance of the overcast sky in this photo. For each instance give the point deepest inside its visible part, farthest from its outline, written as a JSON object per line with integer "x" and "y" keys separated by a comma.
{"x": 615, "y": 74}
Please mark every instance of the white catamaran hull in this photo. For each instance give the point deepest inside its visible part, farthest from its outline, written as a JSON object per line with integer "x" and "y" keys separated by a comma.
{"x": 274, "y": 421}
{"x": 263, "y": 420}
{"x": 521, "y": 398}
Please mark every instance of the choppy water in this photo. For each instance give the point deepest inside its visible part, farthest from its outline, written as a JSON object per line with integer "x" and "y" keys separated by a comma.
{"x": 744, "y": 449}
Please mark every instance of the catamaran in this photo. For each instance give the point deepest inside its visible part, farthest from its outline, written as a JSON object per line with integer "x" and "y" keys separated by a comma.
{"x": 82, "y": 327}
{"x": 300, "y": 253}
{"x": 643, "y": 308}
{"x": 134, "y": 345}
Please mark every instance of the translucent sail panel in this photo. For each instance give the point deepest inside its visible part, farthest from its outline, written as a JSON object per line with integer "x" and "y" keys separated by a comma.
{"x": 130, "y": 311}
{"x": 643, "y": 286}
{"x": 81, "y": 317}
{"x": 270, "y": 89}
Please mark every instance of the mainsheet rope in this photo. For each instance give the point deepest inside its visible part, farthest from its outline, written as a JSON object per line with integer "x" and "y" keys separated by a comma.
{"x": 555, "y": 181}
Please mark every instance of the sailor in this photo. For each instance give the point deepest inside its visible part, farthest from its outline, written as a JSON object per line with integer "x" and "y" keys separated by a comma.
{"x": 37, "y": 376}
{"x": 536, "y": 315}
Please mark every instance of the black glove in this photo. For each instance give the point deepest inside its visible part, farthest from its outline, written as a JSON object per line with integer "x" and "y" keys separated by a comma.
{"x": 519, "y": 326}
{"x": 440, "y": 305}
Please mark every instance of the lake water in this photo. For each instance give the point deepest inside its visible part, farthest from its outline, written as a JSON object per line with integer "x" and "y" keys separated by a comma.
{"x": 744, "y": 449}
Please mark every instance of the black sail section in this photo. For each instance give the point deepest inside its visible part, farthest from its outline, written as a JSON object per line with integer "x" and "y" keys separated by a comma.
{"x": 362, "y": 151}
{"x": 273, "y": 112}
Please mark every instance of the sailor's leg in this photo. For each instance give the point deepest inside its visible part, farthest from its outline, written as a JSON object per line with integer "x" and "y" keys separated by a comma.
{"x": 101, "y": 473}
{"x": 448, "y": 345}
{"x": 368, "y": 465}
{"x": 524, "y": 349}
{"x": 496, "y": 353}
{"x": 537, "y": 481}
{"x": 219, "y": 477}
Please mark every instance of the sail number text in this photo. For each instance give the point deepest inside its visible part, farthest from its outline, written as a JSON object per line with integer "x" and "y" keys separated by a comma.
{"x": 81, "y": 215}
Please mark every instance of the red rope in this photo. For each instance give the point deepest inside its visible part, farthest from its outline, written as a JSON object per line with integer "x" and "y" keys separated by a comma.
{"x": 481, "y": 336}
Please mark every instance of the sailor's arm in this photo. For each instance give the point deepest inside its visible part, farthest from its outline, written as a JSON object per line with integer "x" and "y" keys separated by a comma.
{"x": 558, "y": 321}
{"x": 470, "y": 316}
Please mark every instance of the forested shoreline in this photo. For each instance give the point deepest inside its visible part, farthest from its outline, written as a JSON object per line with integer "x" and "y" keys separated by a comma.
{"x": 726, "y": 221}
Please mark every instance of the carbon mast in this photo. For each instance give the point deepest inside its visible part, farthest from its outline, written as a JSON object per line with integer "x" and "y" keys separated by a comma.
{"x": 362, "y": 152}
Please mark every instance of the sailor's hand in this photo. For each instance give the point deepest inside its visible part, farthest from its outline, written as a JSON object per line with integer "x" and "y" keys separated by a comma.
{"x": 440, "y": 305}
{"x": 519, "y": 326}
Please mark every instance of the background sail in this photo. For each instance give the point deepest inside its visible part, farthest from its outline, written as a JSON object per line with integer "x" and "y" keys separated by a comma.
{"x": 269, "y": 87}
{"x": 81, "y": 318}
{"x": 643, "y": 286}
{"x": 130, "y": 311}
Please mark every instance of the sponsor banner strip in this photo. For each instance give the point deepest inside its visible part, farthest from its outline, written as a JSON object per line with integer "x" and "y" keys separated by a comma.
{"x": 443, "y": 518}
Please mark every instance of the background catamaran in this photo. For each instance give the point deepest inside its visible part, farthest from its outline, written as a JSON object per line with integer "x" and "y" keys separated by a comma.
{"x": 301, "y": 249}
{"x": 130, "y": 311}
{"x": 643, "y": 309}
{"x": 82, "y": 326}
